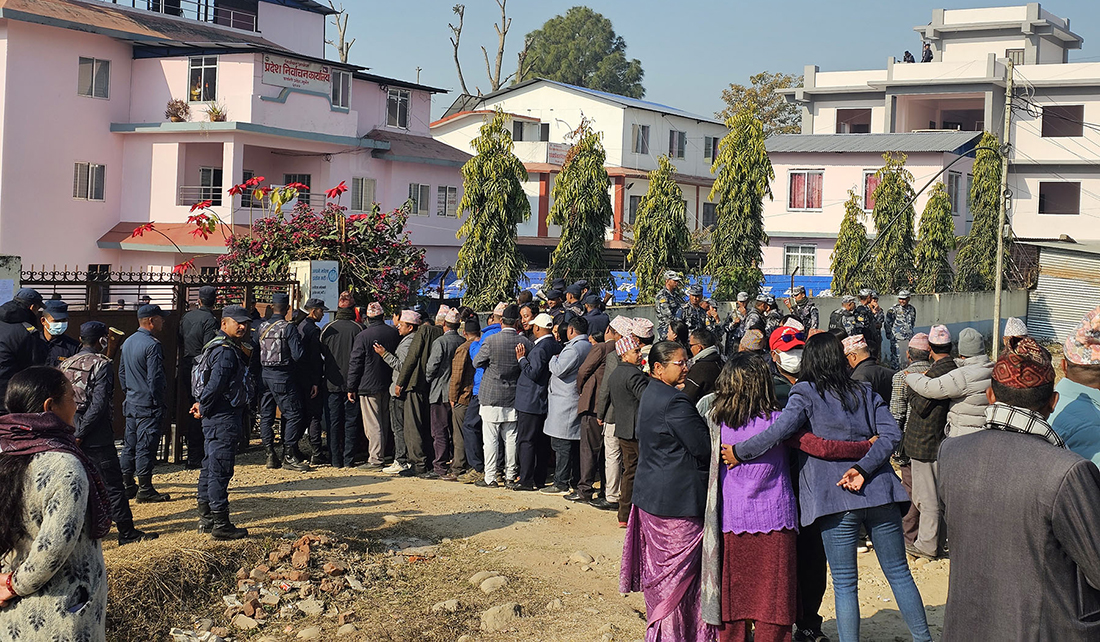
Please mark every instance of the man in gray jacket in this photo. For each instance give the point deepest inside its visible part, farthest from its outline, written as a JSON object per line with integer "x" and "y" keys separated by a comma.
{"x": 497, "y": 397}
{"x": 438, "y": 370}
{"x": 563, "y": 424}
{"x": 964, "y": 386}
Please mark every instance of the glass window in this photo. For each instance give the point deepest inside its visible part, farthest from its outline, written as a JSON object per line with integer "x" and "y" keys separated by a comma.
{"x": 246, "y": 195}
{"x": 544, "y": 132}
{"x": 710, "y": 147}
{"x": 517, "y": 130}
{"x": 710, "y": 214}
{"x": 632, "y": 213}
{"x": 362, "y": 194}
{"x": 204, "y": 79}
{"x": 1015, "y": 55}
{"x": 93, "y": 78}
{"x": 418, "y": 198}
{"x": 1060, "y": 198}
{"x": 210, "y": 184}
{"x": 341, "y": 89}
{"x": 805, "y": 190}
{"x": 677, "y": 143}
{"x": 803, "y": 257}
{"x": 640, "y": 139}
{"x": 446, "y": 204}
{"x": 397, "y": 108}
{"x": 89, "y": 181}
{"x": 1062, "y": 121}
{"x": 954, "y": 182}
{"x": 870, "y": 184}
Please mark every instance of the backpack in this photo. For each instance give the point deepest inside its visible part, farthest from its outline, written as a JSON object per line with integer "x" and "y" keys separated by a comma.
{"x": 200, "y": 372}
{"x": 274, "y": 351}
{"x": 79, "y": 370}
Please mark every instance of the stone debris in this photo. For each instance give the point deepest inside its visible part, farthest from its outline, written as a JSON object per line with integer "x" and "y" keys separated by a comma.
{"x": 501, "y": 617}
{"x": 477, "y": 578}
{"x": 554, "y": 605}
{"x": 334, "y": 569}
{"x": 309, "y": 633}
{"x": 581, "y": 557}
{"x": 346, "y": 629}
{"x": 311, "y": 607}
{"x": 451, "y": 606}
{"x": 492, "y": 584}
{"x": 245, "y": 623}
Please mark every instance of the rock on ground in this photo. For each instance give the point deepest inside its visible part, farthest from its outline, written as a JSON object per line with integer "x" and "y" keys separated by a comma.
{"x": 581, "y": 557}
{"x": 450, "y": 606}
{"x": 310, "y": 633}
{"x": 501, "y": 617}
{"x": 477, "y": 578}
{"x": 494, "y": 583}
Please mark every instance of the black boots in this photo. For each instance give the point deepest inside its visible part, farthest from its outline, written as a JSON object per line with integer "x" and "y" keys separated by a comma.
{"x": 146, "y": 494}
{"x": 272, "y": 457}
{"x": 130, "y": 486}
{"x": 224, "y": 529}
{"x": 206, "y": 522}
{"x": 293, "y": 460}
{"x": 127, "y": 534}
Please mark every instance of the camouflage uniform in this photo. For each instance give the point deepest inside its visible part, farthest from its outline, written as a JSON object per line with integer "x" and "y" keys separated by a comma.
{"x": 842, "y": 319}
{"x": 807, "y": 313}
{"x": 694, "y": 316}
{"x": 899, "y": 324}
{"x": 865, "y": 325}
{"x": 772, "y": 320}
{"x": 668, "y": 306}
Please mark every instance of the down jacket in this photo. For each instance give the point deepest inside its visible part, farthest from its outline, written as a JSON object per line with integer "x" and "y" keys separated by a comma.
{"x": 965, "y": 387}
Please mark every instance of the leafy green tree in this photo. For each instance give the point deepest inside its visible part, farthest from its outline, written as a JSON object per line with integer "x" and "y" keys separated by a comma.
{"x": 661, "y": 235}
{"x": 936, "y": 241}
{"x": 892, "y": 256}
{"x": 489, "y": 261}
{"x": 581, "y": 48}
{"x": 582, "y": 207}
{"x": 976, "y": 262}
{"x": 851, "y": 244}
{"x": 744, "y": 173}
{"x": 762, "y": 94}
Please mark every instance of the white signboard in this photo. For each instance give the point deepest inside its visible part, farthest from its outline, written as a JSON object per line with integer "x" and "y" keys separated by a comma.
{"x": 318, "y": 280}
{"x": 556, "y": 152}
{"x": 280, "y": 71}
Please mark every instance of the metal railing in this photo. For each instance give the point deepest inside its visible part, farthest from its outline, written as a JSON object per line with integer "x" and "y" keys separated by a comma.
{"x": 201, "y": 10}
{"x": 188, "y": 195}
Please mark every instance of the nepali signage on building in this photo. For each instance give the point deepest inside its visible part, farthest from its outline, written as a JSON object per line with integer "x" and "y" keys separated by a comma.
{"x": 280, "y": 71}
{"x": 556, "y": 153}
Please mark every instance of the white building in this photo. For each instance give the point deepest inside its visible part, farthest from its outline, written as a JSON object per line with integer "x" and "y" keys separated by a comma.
{"x": 635, "y": 132}
{"x": 1055, "y": 145}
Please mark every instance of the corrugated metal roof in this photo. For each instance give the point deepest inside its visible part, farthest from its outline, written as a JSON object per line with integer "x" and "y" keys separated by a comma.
{"x": 1064, "y": 246}
{"x": 911, "y": 142}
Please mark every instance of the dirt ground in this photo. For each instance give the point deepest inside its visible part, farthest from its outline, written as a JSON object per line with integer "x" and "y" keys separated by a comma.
{"x": 527, "y": 537}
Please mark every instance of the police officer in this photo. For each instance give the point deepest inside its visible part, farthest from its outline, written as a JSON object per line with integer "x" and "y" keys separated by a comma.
{"x": 754, "y": 320}
{"x": 554, "y": 305}
{"x": 20, "y": 345}
{"x": 734, "y": 326}
{"x": 900, "y": 321}
{"x": 693, "y": 313}
{"x": 803, "y": 308}
{"x": 668, "y": 303}
{"x": 312, "y": 378}
{"x": 865, "y": 321}
{"x": 844, "y": 318}
{"x": 55, "y": 321}
{"x": 222, "y": 374}
{"x": 280, "y": 351}
{"x": 141, "y": 373}
{"x": 94, "y": 385}
{"x": 197, "y": 328}
{"x": 597, "y": 318}
{"x": 772, "y": 318}
{"x": 573, "y": 295}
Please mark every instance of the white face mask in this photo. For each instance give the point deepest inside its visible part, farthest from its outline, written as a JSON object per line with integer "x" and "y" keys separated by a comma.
{"x": 57, "y": 328}
{"x": 791, "y": 360}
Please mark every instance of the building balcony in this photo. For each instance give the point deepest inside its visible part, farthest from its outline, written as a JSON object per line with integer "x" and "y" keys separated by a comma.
{"x": 236, "y": 14}
{"x": 188, "y": 195}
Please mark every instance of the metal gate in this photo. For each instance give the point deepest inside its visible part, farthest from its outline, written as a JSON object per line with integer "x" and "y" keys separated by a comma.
{"x": 114, "y": 297}
{"x": 1068, "y": 288}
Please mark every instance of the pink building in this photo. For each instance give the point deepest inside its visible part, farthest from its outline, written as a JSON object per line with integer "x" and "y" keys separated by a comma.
{"x": 85, "y": 86}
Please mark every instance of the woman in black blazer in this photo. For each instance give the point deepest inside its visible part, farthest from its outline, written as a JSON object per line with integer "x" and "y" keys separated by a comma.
{"x": 664, "y": 540}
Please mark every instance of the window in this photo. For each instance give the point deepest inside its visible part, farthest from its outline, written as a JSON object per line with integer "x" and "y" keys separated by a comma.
{"x": 1061, "y": 121}
{"x": 341, "y": 89}
{"x": 710, "y": 214}
{"x": 803, "y": 257}
{"x": 304, "y": 179}
{"x": 210, "y": 185}
{"x": 853, "y": 121}
{"x": 632, "y": 212}
{"x": 870, "y": 184}
{"x": 710, "y": 147}
{"x": 969, "y": 210}
{"x": 418, "y": 196}
{"x": 447, "y": 202}
{"x": 246, "y": 195}
{"x": 93, "y": 78}
{"x": 362, "y": 194}
{"x": 954, "y": 182}
{"x": 805, "y": 191}
{"x": 397, "y": 108}
{"x": 88, "y": 181}
{"x": 639, "y": 136}
{"x": 204, "y": 79}
{"x": 517, "y": 130}
{"x": 677, "y": 143}
{"x": 1015, "y": 55}
{"x": 544, "y": 132}
{"x": 1059, "y": 198}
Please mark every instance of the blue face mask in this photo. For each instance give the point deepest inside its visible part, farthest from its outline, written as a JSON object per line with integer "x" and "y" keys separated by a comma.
{"x": 57, "y": 328}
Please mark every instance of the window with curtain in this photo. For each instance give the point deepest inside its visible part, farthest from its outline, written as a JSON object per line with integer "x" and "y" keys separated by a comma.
{"x": 341, "y": 89}
{"x": 397, "y": 108}
{"x": 93, "y": 78}
{"x": 677, "y": 143}
{"x": 710, "y": 214}
{"x": 803, "y": 257}
{"x": 639, "y": 134}
{"x": 204, "y": 79}
{"x": 446, "y": 204}
{"x": 805, "y": 190}
{"x": 362, "y": 194}
{"x": 954, "y": 183}
{"x": 870, "y": 184}
{"x": 88, "y": 181}
{"x": 210, "y": 180}
{"x": 419, "y": 194}
{"x": 632, "y": 213}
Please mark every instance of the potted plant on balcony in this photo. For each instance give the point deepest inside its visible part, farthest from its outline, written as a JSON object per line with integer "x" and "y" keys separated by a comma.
{"x": 216, "y": 112}
{"x": 177, "y": 111}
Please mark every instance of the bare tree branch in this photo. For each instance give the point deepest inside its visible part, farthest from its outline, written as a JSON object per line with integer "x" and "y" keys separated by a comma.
{"x": 340, "y": 19}
{"x": 502, "y": 33}
{"x": 460, "y": 10}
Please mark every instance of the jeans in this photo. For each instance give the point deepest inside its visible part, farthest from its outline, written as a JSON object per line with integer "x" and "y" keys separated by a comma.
{"x": 342, "y": 425}
{"x": 839, "y": 533}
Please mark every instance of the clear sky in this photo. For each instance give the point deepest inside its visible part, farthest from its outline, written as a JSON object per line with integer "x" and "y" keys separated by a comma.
{"x": 690, "y": 49}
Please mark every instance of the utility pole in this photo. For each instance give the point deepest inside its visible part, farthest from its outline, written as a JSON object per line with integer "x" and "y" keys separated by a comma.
{"x": 1001, "y": 217}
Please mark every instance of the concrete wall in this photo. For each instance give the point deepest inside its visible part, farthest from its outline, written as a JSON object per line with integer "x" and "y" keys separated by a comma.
{"x": 297, "y": 30}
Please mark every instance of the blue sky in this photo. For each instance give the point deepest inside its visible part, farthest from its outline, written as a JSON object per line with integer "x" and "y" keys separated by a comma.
{"x": 690, "y": 49}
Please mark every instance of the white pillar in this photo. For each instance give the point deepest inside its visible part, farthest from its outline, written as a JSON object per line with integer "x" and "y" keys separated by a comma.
{"x": 232, "y": 173}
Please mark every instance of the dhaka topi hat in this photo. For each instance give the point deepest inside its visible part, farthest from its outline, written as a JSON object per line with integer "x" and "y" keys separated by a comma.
{"x": 237, "y": 313}
{"x": 57, "y": 309}
{"x": 1082, "y": 347}
{"x": 939, "y": 335}
{"x": 441, "y": 313}
{"x": 543, "y": 320}
{"x": 753, "y": 340}
{"x": 786, "y": 338}
{"x": 1026, "y": 365}
{"x": 93, "y": 331}
{"x": 695, "y": 290}
{"x": 622, "y": 325}
{"x": 794, "y": 323}
{"x": 410, "y": 316}
{"x": 452, "y": 317}
{"x": 1015, "y": 328}
{"x": 374, "y": 309}
{"x": 854, "y": 344}
{"x": 499, "y": 309}
{"x": 472, "y": 325}
{"x": 625, "y": 345}
{"x": 920, "y": 342}
{"x": 642, "y": 328}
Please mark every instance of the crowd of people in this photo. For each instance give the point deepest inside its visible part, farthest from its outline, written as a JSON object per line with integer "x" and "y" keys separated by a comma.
{"x": 741, "y": 454}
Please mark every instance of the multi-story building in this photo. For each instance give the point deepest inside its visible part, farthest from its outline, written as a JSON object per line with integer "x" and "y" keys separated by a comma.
{"x": 635, "y": 132}
{"x": 85, "y": 88}
{"x": 1055, "y": 143}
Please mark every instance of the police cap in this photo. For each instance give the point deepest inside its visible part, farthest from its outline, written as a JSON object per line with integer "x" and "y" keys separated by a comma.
{"x": 30, "y": 296}
{"x": 93, "y": 331}
{"x": 695, "y": 290}
{"x": 237, "y": 313}
{"x": 56, "y": 309}
{"x": 148, "y": 311}
{"x": 314, "y": 304}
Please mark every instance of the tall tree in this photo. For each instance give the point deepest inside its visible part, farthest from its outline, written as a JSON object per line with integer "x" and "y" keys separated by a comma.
{"x": 744, "y": 175}
{"x": 456, "y": 38}
{"x": 340, "y": 20}
{"x": 762, "y": 94}
{"x": 976, "y": 262}
{"x": 489, "y": 260}
{"x": 935, "y": 243}
{"x": 893, "y": 216}
{"x": 581, "y": 48}
{"x": 492, "y": 70}
{"x": 851, "y": 244}
{"x": 661, "y": 235}
{"x": 582, "y": 207}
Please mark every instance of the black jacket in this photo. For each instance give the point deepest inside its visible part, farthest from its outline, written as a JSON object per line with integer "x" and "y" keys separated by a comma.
{"x": 94, "y": 426}
{"x": 197, "y": 328}
{"x": 673, "y": 454}
{"x": 337, "y": 339}
{"x": 312, "y": 366}
{"x": 368, "y": 374}
{"x": 625, "y": 386}
{"x": 20, "y": 344}
{"x": 880, "y": 377}
{"x": 533, "y": 385}
{"x": 58, "y": 349}
{"x": 702, "y": 375}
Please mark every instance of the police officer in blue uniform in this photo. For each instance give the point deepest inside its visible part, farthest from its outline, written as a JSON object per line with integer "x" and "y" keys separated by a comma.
{"x": 55, "y": 321}
{"x": 280, "y": 352}
{"x": 312, "y": 379}
{"x": 197, "y": 328}
{"x": 222, "y": 388}
{"x": 20, "y": 344}
{"x": 141, "y": 373}
{"x": 597, "y": 318}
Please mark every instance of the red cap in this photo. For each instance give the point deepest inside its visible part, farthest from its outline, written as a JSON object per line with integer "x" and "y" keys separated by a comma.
{"x": 786, "y": 338}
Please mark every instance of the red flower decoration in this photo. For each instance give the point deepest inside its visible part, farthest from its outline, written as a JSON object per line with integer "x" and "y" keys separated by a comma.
{"x": 200, "y": 231}
{"x": 301, "y": 187}
{"x": 142, "y": 229}
{"x": 201, "y": 205}
{"x": 237, "y": 189}
{"x": 183, "y": 267}
{"x": 337, "y": 191}
{"x": 254, "y": 181}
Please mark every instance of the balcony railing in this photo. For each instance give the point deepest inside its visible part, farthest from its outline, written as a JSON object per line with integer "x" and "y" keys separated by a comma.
{"x": 188, "y": 195}
{"x": 201, "y": 10}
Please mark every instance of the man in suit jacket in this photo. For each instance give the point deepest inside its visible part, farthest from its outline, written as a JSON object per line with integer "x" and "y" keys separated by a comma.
{"x": 369, "y": 378}
{"x": 1023, "y": 513}
{"x": 589, "y": 377}
{"x": 468, "y": 450}
{"x": 497, "y": 396}
{"x": 413, "y": 383}
{"x": 625, "y": 385}
{"x": 438, "y": 371}
{"x": 532, "y": 390}
{"x": 563, "y": 425}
